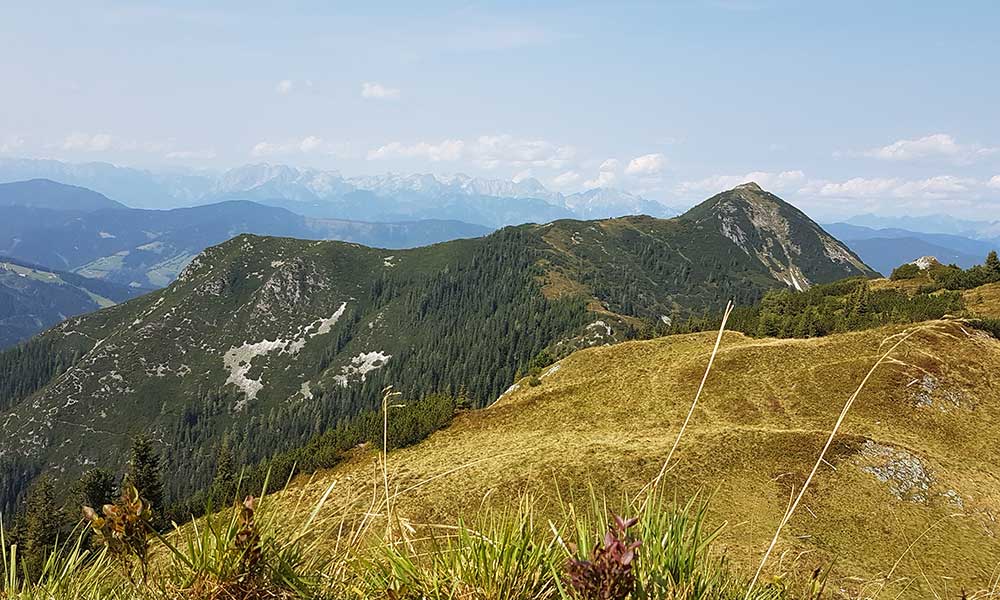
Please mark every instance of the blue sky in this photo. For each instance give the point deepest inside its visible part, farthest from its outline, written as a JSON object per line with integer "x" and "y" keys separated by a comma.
{"x": 841, "y": 107}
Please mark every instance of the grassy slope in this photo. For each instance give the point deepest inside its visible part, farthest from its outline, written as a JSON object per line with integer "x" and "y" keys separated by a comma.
{"x": 984, "y": 300}
{"x": 608, "y": 415}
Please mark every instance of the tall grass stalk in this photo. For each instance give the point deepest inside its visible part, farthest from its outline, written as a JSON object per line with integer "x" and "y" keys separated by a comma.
{"x": 68, "y": 571}
{"x": 822, "y": 455}
{"x": 387, "y": 395}
{"x": 711, "y": 359}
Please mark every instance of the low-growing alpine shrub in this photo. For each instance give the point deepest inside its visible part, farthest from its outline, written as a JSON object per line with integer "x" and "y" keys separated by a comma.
{"x": 607, "y": 573}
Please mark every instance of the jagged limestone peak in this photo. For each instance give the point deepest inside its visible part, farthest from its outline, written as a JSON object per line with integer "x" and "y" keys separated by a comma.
{"x": 793, "y": 248}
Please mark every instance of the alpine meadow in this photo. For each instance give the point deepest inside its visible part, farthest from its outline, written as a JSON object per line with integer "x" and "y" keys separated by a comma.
{"x": 492, "y": 301}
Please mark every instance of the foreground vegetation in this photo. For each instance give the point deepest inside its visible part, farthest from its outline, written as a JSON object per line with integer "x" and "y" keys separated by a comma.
{"x": 261, "y": 549}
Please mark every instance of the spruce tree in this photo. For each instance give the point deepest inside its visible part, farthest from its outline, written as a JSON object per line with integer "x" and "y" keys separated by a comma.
{"x": 993, "y": 263}
{"x": 96, "y": 488}
{"x": 225, "y": 465}
{"x": 224, "y": 481}
{"x": 40, "y": 526}
{"x": 144, "y": 473}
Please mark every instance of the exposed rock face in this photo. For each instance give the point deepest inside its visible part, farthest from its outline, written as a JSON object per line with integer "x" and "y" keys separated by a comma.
{"x": 929, "y": 392}
{"x": 905, "y": 474}
{"x": 926, "y": 262}
{"x": 794, "y": 248}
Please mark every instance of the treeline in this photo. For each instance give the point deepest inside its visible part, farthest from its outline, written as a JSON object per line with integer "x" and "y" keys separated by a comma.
{"x": 951, "y": 277}
{"x": 848, "y": 305}
{"x": 407, "y": 423}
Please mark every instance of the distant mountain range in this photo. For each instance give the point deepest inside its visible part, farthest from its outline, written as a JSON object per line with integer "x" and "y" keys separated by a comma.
{"x": 46, "y": 194}
{"x": 886, "y": 249}
{"x": 74, "y": 229}
{"x": 34, "y": 298}
{"x": 326, "y": 194}
{"x": 69, "y": 250}
{"x": 944, "y": 224}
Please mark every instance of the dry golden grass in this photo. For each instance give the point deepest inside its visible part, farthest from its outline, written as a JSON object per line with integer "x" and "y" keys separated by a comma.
{"x": 556, "y": 284}
{"x": 910, "y": 286}
{"x": 608, "y": 416}
{"x": 983, "y": 301}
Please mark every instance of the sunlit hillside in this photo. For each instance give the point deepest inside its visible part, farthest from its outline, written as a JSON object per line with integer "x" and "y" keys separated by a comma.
{"x": 913, "y": 464}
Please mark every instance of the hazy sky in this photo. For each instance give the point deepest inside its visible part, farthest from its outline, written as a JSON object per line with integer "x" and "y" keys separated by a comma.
{"x": 841, "y": 107}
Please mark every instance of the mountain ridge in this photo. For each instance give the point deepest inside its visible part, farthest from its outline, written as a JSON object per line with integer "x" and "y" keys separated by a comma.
{"x": 147, "y": 248}
{"x": 45, "y": 193}
{"x": 328, "y": 194}
{"x": 761, "y": 223}
{"x": 268, "y": 338}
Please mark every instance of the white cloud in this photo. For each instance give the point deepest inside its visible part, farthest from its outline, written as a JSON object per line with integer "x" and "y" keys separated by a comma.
{"x": 289, "y": 86}
{"x": 488, "y": 151}
{"x": 772, "y": 181}
{"x": 647, "y": 164}
{"x": 604, "y": 179}
{"x": 371, "y": 89}
{"x": 308, "y": 145}
{"x": 894, "y": 195}
{"x": 522, "y": 175}
{"x": 191, "y": 154}
{"x": 100, "y": 142}
{"x": 857, "y": 187}
{"x": 11, "y": 143}
{"x": 106, "y": 142}
{"x": 444, "y": 151}
{"x": 938, "y": 145}
{"x": 994, "y": 182}
{"x": 566, "y": 180}
{"x": 606, "y": 175}
{"x": 941, "y": 186}
{"x": 936, "y": 187}
{"x": 492, "y": 151}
